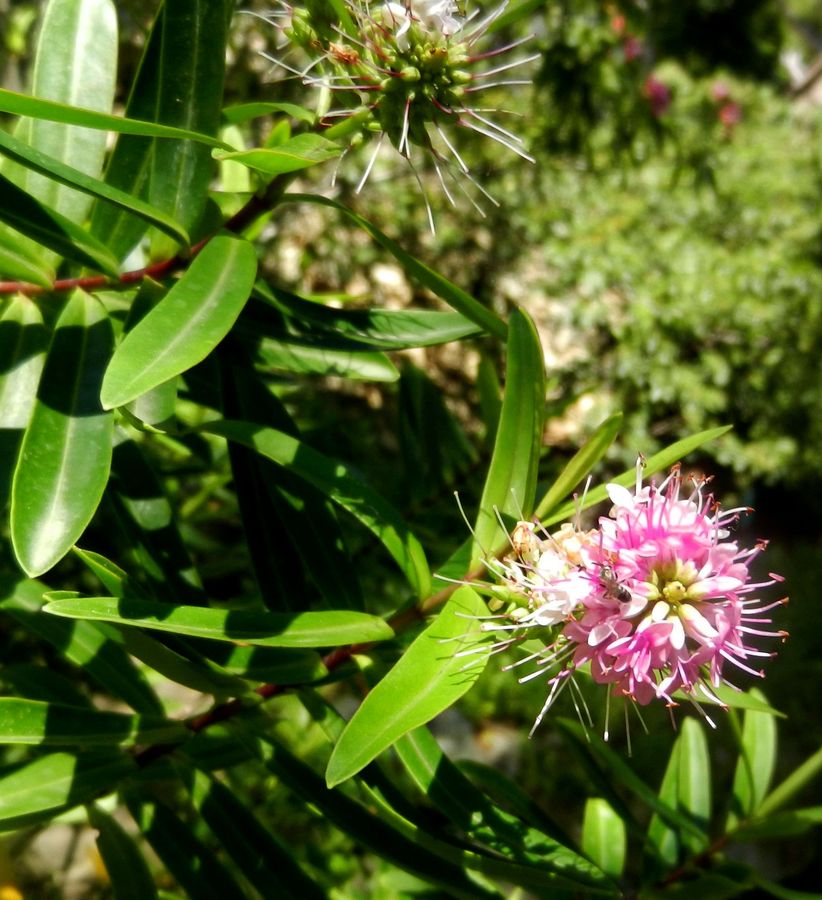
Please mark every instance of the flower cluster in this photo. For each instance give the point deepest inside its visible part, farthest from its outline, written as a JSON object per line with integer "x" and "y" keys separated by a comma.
{"x": 414, "y": 70}
{"x": 656, "y": 600}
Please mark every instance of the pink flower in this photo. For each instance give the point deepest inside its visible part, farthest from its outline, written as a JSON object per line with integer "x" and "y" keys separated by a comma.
{"x": 674, "y": 610}
{"x": 658, "y": 94}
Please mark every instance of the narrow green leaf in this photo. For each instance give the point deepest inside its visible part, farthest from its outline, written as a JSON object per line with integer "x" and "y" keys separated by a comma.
{"x": 442, "y": 287}
{"x": 792, "y": 785}
{"x": 75, "y": 60}
{"x": 268, "y": 864}
{"x": 192, "y": 863}
{"x": 785, "y": 893}
{"x": 242, "y": 112}
{"x": 383, "y": 329}
{"x": 342, "y": 486}
{"x": 16, "y": 104}
{"x": 82, "y": 643}
{"x": 661, "y": 837}
{"x": 728, "y": 696}
{"x": 43, "y": 787}
{"x": 61, "y": 174}
{"x": 186, "y": 325}
{"x": 18, "y": 262}
{"x": 364, "y": 827}
{"x": 37, "y": 682}
{"x": 126, "y": 867}
{"x": 329, "y": 628}
{"x": 756, "y": 763}
{"x": 694, "y": 782}
{"x": 65, "y": 455}
{"x": 318, "y": 357}
{"x": 512, "y": 474}
{"x": 179, "y": 83}
{"x": 429, "y": 677}
{"x": 300, "y": 152}
{"x": 656, "y": 463}
{"x": 46, "y": 226}
{"x": 23, "y": 342}
{"x": 36, "y": 722}
{"x": 580, "y": 464}
{"x": 781, "y": 825}
{"x": 278, "y": 666}
{"x": 603, "y": 836}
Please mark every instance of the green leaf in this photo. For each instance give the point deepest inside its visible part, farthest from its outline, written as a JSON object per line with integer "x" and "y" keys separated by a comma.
{"x": 267, "y": 864}
{"x": 580, "y": 464}
{"x": 179, "y": 83}
{"x": 65, "y": 455}
{"x": 18, "y": 104}
{"x": 661, "y": 837}
{"x": 785, "y": 893}
{"x": 242, "y": 112}
{"x": 342, "y": 486}
{"x": 735, "y": 699}
{"x": 329, "y": 628}
{"x": 694, "y": 782}
{"x": 792, "y": 785}
{"x": 59, "y": 173}
{"x": 23, "y": 342}
{"x": 269, "y": 665}
{"x": 82, "y": 643}
{"x": 36, "y": 722}
{"x": 75, "y": 60}
{"x": 656, "y": 463}
{"x": 318, "y": 357}
{"x": 19, "y": 262}
{"x": 186, "y": 325}
{"x": 603, "y": 836}
{"x": 43, "y": 787}
{"x": 359, "y": 823}
{"x": 428, "y": 678}
{"x": 300, "y": 152}
{"x": 37, "y": 682}
{"x": 756, "y": 763}
{"x": 781, "y": 825}
{"x": 47, "y": 227}
{"x": 442, "y": 287}
{"x": 125, "y": 866}
{"x": 512, "y": 475}
{"x": 187, "y": 858}
{"x": 383, "y": 329}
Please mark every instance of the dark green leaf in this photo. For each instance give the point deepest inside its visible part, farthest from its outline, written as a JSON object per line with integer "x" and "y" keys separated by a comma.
{"x": 186, "y": 857}
{"x": 342, "y": 486}
{"x": 781, "y": 825}
{"x": 82, "y": 643}
{"x": 755, "y": 766}
{"x": 428, "y": 678}
{"x": 694, "y": 782}
{"x": 792, "y": 785}
{"x": 61, "y": 174}
{"x": 311, "y": 357}
{"x": 454, "y": 296}
{"x": 65, "y": 455}
{"x": 512, "y": 474}
{"x": 186, "y": 325}
{"x": 36, "y": 682}
{"x": 126, "y": 868}
{"x": 46, "y": 226}
{"x": 270, "y": 665}
{"x": 37, "y": 722}
{"x": 43, "y": 787}
{"x": 242, "y": 112}
{"x": 662, "y": 837}
{"x": 179, "y": 83}
{"x": 330, "y": 628}
{"x": 263, "y": 860}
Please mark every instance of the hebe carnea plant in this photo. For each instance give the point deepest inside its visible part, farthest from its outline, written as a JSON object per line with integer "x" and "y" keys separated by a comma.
{"x": 201, "y": 573}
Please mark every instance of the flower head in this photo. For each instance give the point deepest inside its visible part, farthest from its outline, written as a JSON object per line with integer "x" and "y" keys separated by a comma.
{"x": 414, "y": 70}
{"x": 656, "y": 600}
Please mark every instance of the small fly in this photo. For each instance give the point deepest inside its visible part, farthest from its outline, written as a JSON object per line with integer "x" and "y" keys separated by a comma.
{"x": 613, "y": 589}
